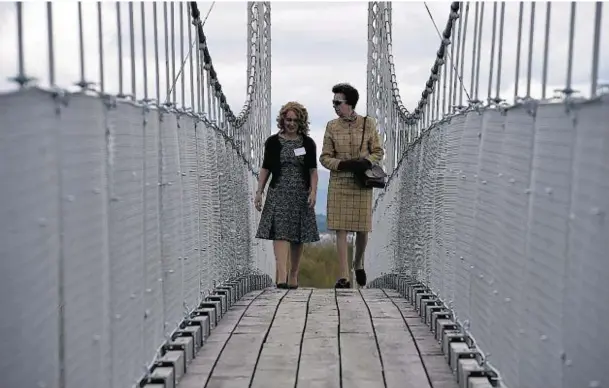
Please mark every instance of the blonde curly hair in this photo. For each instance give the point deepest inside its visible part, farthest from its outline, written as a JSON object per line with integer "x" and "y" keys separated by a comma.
{"x": 302, "y": 117}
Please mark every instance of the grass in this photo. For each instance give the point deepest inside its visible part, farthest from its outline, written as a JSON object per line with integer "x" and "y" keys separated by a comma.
{"x": 319, "y": 266}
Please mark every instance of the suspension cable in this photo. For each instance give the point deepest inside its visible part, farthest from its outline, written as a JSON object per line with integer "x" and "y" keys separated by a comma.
{"x": 175, "y": 81}
{"x": 447, "y": 52}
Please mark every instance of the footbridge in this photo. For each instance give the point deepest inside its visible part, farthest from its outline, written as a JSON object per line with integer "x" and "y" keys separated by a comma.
{"x": 127, "y": 249}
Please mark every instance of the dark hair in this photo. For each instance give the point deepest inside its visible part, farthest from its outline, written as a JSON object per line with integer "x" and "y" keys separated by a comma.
{"x": 351, "y": 94}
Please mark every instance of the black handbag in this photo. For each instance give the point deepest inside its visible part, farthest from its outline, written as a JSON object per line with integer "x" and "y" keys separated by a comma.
{"x": 373, "y": 177}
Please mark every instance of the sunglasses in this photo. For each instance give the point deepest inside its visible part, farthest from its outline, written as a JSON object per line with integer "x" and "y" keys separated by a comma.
{"x": 337, "y": 102}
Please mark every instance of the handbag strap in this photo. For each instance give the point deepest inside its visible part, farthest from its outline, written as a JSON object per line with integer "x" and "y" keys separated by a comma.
{"x": 363, "y": 133}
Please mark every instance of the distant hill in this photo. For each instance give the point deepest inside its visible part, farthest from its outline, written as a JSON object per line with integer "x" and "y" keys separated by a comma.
{"x": 321, "y": 223}
{"x": 322, "y": 191}
{"x": 322, "y": 199}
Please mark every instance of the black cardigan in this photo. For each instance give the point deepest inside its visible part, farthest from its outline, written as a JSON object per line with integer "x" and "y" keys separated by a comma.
{"x": 271, "y": 161}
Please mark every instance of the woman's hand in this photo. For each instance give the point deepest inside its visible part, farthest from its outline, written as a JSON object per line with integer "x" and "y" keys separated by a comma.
{"x": 312, "y": 198}
{"x": 364, "y": 163}
{"x": 355, "y": 165}
{"x": 258, "y": 201}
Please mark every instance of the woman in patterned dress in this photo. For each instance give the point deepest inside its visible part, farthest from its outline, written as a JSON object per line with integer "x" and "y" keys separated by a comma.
{"x": 349, "y": 207}
{"x": 288, "y": 218}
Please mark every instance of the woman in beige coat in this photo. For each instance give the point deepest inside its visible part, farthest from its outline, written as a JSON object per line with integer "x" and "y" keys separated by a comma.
{"x": 349, "y": 207}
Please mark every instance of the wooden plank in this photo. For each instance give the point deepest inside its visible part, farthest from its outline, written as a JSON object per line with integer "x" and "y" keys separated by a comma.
{"x": 225, "y": 382}
{"x": 400, "y": 357}
{"x": 200, "y": 368}
{"x": 233, "y": 354}
{"x": 278, "y": 363}
{"x": 431, "y": 352}
{"x": 439, "y": 372}
{"x": 235, "y": 366}
{"x": 319, "y": 360}
{"x": 361, "y": 364}
{"x": 274, "y": 346}
{"x": 239, "y": 358}
{"x": 277, "y": 366}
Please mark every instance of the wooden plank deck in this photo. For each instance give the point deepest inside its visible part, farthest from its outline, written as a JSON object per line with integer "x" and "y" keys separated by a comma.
{"x": 318, "y": 338}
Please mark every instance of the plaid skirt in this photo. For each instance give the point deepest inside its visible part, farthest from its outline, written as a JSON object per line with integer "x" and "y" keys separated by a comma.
{"x": 349, "y": 206}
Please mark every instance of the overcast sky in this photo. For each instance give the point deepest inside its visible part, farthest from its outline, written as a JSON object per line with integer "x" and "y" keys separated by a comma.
{"x": 314, "y": 45}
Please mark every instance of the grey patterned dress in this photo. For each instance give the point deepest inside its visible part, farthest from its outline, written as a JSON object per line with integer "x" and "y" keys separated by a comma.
{"x": 286, "y": 214}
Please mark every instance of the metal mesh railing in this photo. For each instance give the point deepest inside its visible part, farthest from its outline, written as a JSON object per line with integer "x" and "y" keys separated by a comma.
{"x": 498, "y": 207}
{"x": 125, "y": 198}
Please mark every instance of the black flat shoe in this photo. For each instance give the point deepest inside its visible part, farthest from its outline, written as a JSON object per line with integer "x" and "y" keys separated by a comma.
{"x": 292, "y": 287}
{"x": 342, "y": 283}
{"x": 360, "y": 277}
{"x": 283, "y": 286}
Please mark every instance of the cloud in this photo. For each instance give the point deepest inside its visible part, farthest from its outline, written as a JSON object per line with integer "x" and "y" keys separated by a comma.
{"x": 314, "y": 46}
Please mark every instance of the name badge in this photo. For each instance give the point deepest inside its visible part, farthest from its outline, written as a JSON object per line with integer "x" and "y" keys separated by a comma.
{"x": 299, "y": 151}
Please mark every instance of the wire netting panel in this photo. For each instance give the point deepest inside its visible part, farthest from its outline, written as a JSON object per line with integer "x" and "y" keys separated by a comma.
{"x": 466, "y": 196}
{"x": 241, "y": 223}
{"x": 515, "y": 199}
{"x": 264, "y": 260}
{"x": 30, "y": 247}
{"x": 487, "y": 229}
{"x": 386, "y": 244}
{"x": 548, "y": 229}
{"x": 585, "y": 290}
{"x": 451, "y": 203}
{"x": 118, "y": 218}
{"x": 414, "y": 187}
{"x": 188, "y": 171}
{"x": 441, "y": 229}
{"x": 515, "y": 163}
{"x": 222, "y": 215}
{"x": 426, "y": 173}
{"x": 126, "y": 230}
{"x": 228, "y": 210}
{"x": 205, "y": 172}
{"x": 153, "y": 263}
{"x": 83, "y": 179}
{"x": 434, "y": 189}
{"x": 214, "y": 209}
{"x": 171, "y": 226}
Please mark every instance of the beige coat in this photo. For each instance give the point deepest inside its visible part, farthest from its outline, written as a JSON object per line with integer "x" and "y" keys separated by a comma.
{"x": 349, "y": 206}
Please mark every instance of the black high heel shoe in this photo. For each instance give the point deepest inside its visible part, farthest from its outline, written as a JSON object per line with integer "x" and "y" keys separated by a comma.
{"x": 283, "y": 286}
{"x": 360, "y": 277}
{"x": 343, "y": 283}
{"x": 292, "y": 287}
